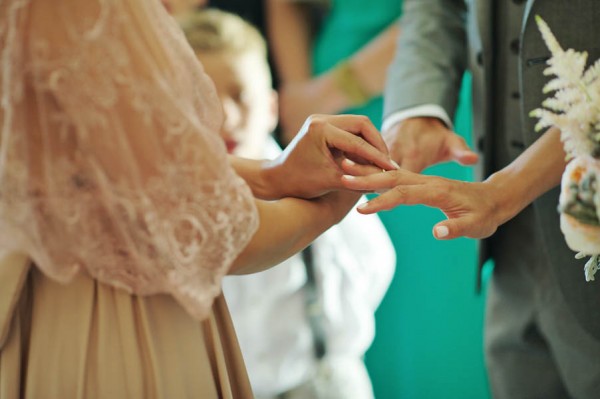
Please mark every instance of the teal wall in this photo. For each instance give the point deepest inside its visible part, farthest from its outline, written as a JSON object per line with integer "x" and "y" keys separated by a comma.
{"x": 429, "y": 326}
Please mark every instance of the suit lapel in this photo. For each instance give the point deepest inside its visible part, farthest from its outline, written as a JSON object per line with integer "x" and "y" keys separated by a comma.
{"x": 480, "y": 29}
{"x": 532, "y": 62}
{"x": 483, "y": 12}
{"x": 527, "y": 14}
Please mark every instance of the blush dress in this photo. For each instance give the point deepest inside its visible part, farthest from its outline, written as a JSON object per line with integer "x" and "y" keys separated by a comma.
{"x": 119, "y": 213}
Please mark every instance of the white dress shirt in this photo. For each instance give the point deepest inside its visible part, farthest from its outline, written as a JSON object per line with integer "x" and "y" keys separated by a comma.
{"x": 431, "y": 110}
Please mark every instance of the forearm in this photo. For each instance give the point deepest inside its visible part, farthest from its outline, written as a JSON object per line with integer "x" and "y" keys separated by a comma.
{"x": 289, "y": 38}
{"x": 289, "y": 225}
{"x": 368, "y": 67}
{"x": 372, "y": 61}
{"x": 534, "y": 172}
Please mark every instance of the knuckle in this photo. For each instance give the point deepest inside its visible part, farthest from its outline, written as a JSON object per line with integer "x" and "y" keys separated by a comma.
{"x": 361, "y": 143}
{"x": 435, "y": 194}
{"x": 440, "y": 190}
{"x": 363, "y": 120}
{"x": 315, "y": 122}
{"x": 356, "y": 144}
{"x": 400, "y": 191}
{"x": 441, "y": 183}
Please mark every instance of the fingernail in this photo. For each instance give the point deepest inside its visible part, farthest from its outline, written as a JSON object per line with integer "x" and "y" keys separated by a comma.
{"x": 349, "y": 177}
{"x": 395, "y": 164}
{"x": 350, "y": 162}
{"x": 363, "y": 206}
{"x": 441, "y": 231}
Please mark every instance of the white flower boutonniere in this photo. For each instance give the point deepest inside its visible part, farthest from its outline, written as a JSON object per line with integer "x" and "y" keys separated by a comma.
{"x": 575, "y": 109}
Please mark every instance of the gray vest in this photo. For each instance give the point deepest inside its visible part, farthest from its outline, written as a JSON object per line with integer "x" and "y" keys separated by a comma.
{"x": 507, "y": 60}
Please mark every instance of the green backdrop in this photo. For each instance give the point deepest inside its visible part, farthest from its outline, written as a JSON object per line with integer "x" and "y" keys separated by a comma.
{"x": 428, "y": 341}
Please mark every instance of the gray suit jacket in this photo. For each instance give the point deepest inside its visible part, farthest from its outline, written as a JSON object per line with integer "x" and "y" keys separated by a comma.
{"x": 443, "y": 38}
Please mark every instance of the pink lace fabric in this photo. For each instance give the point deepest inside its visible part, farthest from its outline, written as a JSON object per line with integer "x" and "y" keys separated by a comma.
{"x": 110, "y": 159}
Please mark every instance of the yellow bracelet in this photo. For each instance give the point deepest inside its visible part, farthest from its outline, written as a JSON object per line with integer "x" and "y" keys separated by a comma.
{"x": 345, "y": 79}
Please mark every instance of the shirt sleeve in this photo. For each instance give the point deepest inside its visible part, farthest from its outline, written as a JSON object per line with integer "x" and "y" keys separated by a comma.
{"x": 428, "y": 110}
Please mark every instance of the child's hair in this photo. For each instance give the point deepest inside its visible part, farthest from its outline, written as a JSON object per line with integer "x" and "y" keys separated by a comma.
{"x": 212, "y": 30}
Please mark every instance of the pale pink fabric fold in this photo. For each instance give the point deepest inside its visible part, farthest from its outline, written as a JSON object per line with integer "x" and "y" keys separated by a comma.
{"x": 110, "y": 159}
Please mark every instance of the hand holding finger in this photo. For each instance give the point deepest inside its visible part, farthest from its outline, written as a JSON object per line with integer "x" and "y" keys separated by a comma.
{"x": 361, "y": 125}
{"x": 354, "y": 145}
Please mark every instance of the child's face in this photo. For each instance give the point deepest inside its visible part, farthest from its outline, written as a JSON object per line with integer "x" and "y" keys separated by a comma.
{"x": 249, "y": 103}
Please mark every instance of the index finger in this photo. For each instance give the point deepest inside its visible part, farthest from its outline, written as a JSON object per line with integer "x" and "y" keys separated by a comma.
{"x": 360, "y": 124}
{"x": 351, "y": 144}
{"x": 402, "y": 195}
{"x": 379, "y": 181}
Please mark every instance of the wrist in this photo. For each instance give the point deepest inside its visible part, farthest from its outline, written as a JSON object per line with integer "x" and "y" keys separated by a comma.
{"x": 348, "y": 85}
{"x": 508, "y": 194}
{"x": 270, "y": 184}
{"x": 331, "y": 98}
{"x": 261, "y": 175}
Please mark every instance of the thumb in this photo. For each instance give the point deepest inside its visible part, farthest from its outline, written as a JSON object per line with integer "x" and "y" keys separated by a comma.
{"x": 448, "y": 229}
{"x": 461, "y": 153}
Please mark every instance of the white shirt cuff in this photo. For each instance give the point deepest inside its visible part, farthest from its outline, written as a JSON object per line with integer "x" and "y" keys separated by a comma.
{"x": 430, "y": 110}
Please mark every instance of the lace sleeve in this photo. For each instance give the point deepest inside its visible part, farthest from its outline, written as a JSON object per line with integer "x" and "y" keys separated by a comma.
{"x": 110, "y": 159}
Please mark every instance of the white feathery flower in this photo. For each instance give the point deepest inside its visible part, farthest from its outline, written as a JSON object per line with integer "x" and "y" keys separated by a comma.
{"x": 591, "y": 267}
{"x": 575, "y": 106}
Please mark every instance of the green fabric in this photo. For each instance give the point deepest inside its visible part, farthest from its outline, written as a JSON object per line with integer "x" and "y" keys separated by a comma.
{"x": 428, "y": 342}
{"x": 349, "y": 25}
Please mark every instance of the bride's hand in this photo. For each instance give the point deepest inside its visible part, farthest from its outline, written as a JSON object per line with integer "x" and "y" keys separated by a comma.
{"x": 310, "y": 165}
{"x": 473, "y": 209}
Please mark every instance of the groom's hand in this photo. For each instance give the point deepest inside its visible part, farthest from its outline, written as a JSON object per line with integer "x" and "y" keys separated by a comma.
{"x": 472, "y": 209}
{"x": 416, "y": 143}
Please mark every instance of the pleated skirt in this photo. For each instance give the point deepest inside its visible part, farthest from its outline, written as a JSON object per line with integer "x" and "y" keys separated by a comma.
{"x": 88, "y": 340}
